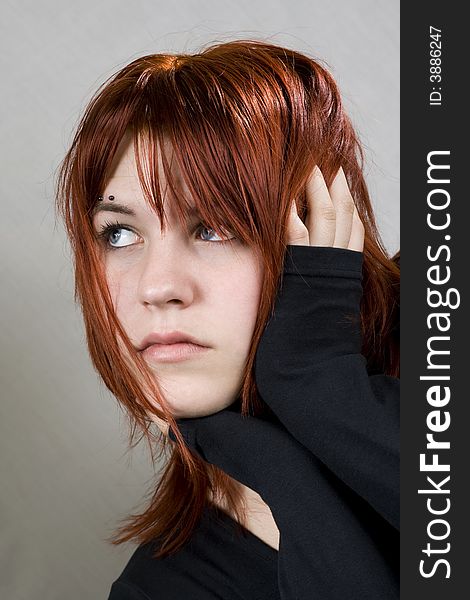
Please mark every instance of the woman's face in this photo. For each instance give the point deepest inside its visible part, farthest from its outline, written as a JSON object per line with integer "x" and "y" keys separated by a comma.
{"x": 183, "y": 280}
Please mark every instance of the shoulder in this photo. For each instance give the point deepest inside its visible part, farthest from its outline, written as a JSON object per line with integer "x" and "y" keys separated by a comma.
{"x": 146, "y": 577}
{"x": 126, "y": 590}
{"x": 141, "y": 578}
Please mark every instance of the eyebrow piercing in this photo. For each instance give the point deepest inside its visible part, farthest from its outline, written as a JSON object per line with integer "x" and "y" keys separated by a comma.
{"x": 109, "y": 197}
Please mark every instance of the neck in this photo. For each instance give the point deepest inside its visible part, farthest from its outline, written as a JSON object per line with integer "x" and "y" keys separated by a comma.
{"x": 258, "y": 520}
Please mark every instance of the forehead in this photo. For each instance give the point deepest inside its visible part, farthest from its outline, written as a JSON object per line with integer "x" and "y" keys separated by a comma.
{"x": 124, "y": 182}
{"x": 123, "y": 170}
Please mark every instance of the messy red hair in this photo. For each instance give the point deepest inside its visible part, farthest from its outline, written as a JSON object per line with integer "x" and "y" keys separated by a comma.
{"x": 247, "y": 121}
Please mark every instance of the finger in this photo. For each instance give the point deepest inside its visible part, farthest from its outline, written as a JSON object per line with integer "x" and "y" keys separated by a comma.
{"x": 356, "y": 240}
{"x": 321, "y": 216}
{"x": 297, "y": 233}
{"x": 344, "y": 207}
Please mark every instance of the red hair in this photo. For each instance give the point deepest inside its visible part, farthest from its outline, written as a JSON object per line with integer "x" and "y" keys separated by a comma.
{"x": 247, "y": 121}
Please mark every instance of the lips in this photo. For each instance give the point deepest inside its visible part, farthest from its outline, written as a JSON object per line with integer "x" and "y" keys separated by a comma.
{"x": 172, "y": 337}
{"x": 177, "y": 352}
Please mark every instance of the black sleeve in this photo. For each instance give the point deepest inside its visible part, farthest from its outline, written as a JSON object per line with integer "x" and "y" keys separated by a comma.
{"x": 310, "y": 372}
{"x": 332, "y": 544}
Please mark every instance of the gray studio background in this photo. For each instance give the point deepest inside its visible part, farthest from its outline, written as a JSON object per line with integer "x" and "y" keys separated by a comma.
{"x": 65, "y": 476}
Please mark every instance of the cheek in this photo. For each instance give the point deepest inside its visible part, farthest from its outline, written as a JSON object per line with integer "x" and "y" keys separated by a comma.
{"x": 239, "y": 303}
{"x": 122, "y": 293}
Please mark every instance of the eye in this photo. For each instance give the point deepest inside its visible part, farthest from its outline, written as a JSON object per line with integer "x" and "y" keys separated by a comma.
{"x": 112, "y": 234}
{"x": 204, "y": 229}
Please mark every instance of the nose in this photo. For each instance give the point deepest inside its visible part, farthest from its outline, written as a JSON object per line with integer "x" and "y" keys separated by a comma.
{"x": 166, "y": 277}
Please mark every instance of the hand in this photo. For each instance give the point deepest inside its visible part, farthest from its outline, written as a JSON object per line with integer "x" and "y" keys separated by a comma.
{"x": 332, "y": 217}
{"x": 317, "y": 308}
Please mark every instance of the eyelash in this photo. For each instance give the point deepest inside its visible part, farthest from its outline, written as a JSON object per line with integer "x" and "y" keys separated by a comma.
{"x": 107, "y": 228}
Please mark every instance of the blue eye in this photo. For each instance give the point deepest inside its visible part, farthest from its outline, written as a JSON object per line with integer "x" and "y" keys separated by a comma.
{"x": 109, "y": 231}
{"x": 220, "y": 240}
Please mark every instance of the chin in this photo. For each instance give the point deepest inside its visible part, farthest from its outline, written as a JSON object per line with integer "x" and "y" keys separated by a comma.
{"x": 194, "y": 411}
{"x": 194, "y": 408}
{"x": 191, "y": 397}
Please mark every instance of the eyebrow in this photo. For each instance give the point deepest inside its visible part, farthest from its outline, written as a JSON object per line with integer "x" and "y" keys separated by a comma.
{"x": 116, "y": 207}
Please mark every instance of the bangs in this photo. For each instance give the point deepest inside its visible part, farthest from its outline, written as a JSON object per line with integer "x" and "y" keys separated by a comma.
{"x": 197, "y": 131}
{"x": 192, "y": 187}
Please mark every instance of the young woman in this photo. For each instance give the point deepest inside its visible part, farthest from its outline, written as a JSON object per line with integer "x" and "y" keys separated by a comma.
{"x": 240, "y": 305}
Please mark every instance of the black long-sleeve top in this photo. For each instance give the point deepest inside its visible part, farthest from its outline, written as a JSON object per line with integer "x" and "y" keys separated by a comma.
{"x": 326, "y": 462}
